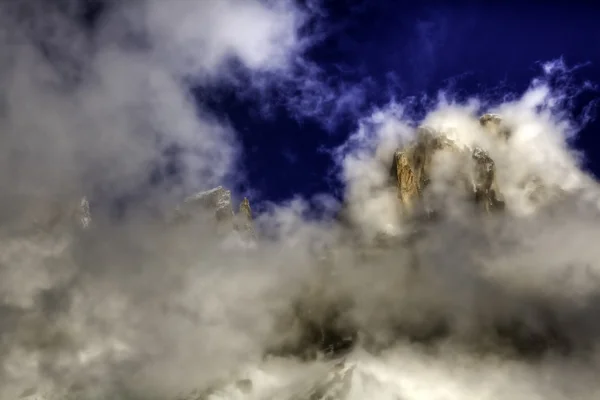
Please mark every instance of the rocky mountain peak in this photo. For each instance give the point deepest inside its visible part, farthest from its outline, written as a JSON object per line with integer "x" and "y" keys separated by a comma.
{"x": 218, "y": 205}
{"x": 413, "y": 168}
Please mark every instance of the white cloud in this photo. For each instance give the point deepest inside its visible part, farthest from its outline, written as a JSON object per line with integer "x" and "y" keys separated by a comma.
{"x": 82, "y": 112}
{"x": 142, "y": 309}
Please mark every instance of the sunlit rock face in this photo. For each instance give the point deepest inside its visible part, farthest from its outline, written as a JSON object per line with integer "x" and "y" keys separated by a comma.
{"x": 243, "y": 221}
{"x": 414, "y": 169}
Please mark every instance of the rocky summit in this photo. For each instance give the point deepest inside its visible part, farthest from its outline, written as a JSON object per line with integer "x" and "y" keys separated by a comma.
{"x": 216, "y": 203}
{"x": 412, "y": 168}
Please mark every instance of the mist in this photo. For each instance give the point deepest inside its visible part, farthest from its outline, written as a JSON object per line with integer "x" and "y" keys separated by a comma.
{"x": 140, "y": 309}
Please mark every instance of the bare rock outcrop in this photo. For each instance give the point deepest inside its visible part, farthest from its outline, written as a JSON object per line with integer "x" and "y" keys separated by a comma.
{"x": 217, "y": 200}
{"x": 412, "y": 169}
{"x": 243, "y": 221}
{"x": 217, "y": 205}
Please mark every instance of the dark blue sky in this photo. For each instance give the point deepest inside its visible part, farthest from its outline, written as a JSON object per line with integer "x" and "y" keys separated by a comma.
{"x": 406, "y": 51}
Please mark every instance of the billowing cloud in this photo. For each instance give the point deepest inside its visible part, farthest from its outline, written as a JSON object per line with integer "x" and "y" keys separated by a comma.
{"x": 91, "y": 110}
{"x": 140, "y": 310}
{"x": 86, "y": 109}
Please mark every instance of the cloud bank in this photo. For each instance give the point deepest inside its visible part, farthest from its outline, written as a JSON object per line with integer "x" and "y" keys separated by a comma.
{"x": 139, "y": 310}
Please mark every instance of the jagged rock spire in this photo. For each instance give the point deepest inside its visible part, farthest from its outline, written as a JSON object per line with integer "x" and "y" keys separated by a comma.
{"x": 411, "y": 168}
{"x": 217, "y": 201}
{"x": 244, "y": 223}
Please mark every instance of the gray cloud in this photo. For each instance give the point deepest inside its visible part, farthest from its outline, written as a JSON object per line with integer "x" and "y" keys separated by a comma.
{"x": 138, "y": 310}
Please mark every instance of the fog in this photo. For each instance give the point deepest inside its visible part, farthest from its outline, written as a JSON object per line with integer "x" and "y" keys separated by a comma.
{"x": 140, "y": 309}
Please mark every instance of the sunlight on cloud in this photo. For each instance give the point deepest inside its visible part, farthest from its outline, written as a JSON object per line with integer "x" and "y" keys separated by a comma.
{"x": 148, "y": 309}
